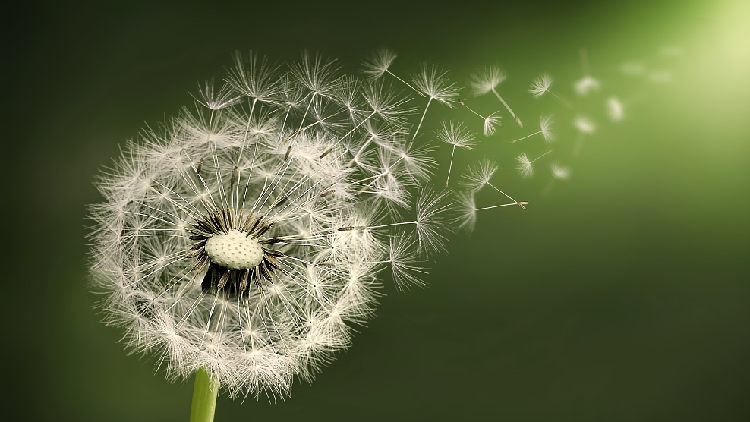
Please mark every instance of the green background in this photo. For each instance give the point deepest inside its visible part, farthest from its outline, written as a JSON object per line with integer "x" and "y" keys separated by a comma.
{"x": 623, "y": 295}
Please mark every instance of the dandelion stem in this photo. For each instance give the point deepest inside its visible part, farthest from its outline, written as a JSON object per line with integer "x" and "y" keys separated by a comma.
{"x": 521, "y": 139}
{"x": 541, "y": 156}
{"x": 507, "y": 107}
{"x": 450, "y": 167}
{"x": 405, "y": 83}
{"x": 204, "y": 397}
{"x": 560, "y": 99}
{"x": 419, "y": 126}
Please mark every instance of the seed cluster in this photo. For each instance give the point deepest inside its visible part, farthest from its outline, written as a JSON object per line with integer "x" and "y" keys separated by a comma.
{"x": 234, "y": 250}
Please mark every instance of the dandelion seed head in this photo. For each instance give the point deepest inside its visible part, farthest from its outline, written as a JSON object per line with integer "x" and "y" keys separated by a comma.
{"x": 244, "y": 239}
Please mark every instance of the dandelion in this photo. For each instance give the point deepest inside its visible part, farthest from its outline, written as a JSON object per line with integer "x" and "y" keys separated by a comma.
{"x": 587, "y": 82}
{"x": 240, "y": 243}
{"x": 541, "y": 86}
{"x": 545, "y": 128}
{"x": 487, "y": 81}
{"x": 525, "y": 166}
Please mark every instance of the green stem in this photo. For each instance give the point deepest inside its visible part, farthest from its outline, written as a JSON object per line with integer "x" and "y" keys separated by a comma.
{"x": 204, "y": 397}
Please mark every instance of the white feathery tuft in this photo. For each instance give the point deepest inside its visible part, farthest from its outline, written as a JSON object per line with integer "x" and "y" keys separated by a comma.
{"x": 540, "y": 85}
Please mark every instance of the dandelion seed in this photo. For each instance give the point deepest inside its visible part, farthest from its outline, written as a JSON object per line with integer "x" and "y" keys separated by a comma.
{"x": 253, "y": 77}
{"x": 457, "y": 135}
{"x": 541, "y": 86}
{"x": 431, "y": 229}
{"x": 558, "y": 173}
{"x": 525, "y": 166}
{"x": 436, "y": 85}
{"x": 379, "y": 63}
{"x": 587, "y": 83}
{"x": 519, "y": 203}
{"x": 487, "y": 81}
{"x": 489, "y": 122}
{"x": 615, "y": 109}
{"x": 216, "y": 100}
{"x": 403, "y": 260}
{"x": 545, "y": 128}
{"x": 479, "y": 175}
{"x": 585, "y": 126}
{"x": 467, "y": 209}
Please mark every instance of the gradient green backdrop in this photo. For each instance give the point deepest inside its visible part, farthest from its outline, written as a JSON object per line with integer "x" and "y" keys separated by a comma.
{"x": 622, "y": 296}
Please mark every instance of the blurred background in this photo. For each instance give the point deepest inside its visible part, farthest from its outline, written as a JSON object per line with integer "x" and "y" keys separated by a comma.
{"x": 622, "y": 294}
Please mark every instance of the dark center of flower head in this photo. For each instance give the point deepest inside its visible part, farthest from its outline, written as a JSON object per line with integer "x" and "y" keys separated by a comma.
{"x": 231, "y": 247}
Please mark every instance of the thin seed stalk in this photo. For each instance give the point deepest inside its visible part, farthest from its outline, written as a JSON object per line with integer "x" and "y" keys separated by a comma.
{"x": 204, "y": 397}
